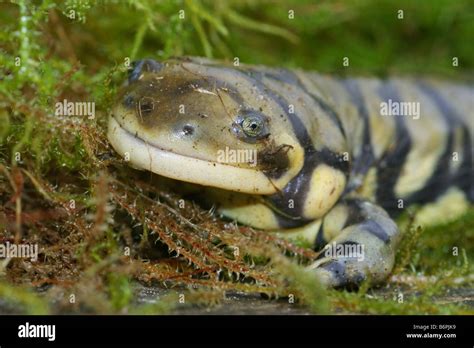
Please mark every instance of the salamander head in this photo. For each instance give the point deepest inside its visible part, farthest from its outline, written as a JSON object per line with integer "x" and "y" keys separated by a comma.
{"x": 204, "y": 124}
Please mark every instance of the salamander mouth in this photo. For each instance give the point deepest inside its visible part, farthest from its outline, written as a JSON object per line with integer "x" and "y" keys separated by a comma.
{"x": 185, "y": 168}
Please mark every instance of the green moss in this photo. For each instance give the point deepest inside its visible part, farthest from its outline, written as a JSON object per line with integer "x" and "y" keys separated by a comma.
{"x": 23, "y": 300}
{"x": 120, "y": 290}
{"x": 304, "y": 288}
{"x": 395, "y": 302}
{"x": 164, "y": 305}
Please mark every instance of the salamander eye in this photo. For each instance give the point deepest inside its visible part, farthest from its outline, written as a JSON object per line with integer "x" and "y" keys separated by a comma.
{"x": 250, "y": 126}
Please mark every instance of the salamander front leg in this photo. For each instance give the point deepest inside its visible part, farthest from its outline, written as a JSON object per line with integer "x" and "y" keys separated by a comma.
{"x": 361, "y": 243}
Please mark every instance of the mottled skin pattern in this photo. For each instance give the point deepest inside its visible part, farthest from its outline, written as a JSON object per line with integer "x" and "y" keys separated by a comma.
{"x": 330, "y": 165}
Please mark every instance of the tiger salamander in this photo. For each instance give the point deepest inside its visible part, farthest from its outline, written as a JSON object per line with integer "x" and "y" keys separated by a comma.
{"x": 331, "y": 159}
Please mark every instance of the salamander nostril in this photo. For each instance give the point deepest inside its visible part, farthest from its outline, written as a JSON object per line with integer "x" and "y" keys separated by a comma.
{"x": 188, "y": 130}
{"x": 145, "y": 106}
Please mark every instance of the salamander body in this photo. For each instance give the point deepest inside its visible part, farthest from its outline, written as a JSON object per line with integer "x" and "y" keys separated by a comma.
{"x": 331, "y": 159}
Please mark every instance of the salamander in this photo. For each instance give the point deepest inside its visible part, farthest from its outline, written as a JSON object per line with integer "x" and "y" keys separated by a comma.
{"x": 329, "y": 158}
